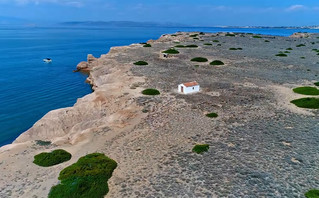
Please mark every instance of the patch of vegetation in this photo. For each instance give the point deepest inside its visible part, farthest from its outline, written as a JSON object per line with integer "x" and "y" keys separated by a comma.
{"x": 87, "y": 177}
{"x": 287, "y": 52}
{"x": 199, "y": 59}
{"x": 314, "y": 193}
{"x": 216, "y": 41}
{"x": 219, "y": 45}
{"x": 289, "y": 48}
{"x": 50, "y": 159}
{"x": 202, "y": 33}
{"x": 302, "y": 57}
{"x": 43, "y": 143}
{"x": 229, "y": 34}
{"x": 193, "y": 35}
{"x": 216, "y": 62}
{"x": 300, "y": 45}
{"x": 171, "y": 51}
{"x": 186, "y": 46}
{"x": 140, "y": 63}
{"x": 208, "y": 44}
{"x": 196, "y": 38}
{"x": 266, "y": 41}
{"x": 256, "y": 36}
{"x": 307, "y": 91}
{"x": 316, "y": 83}
{"x": 308, "y": 103}
{"x": 281, "y": 54}
{"x": 200, "y": 148}
{"x": 147, "y": 45}
{"x": 239, "y": 48}
{"x": 151, "y": 92}
{"x": 232, "y": 48}
{"x": 212, "y": 115}
{"x": 173, "y": 35}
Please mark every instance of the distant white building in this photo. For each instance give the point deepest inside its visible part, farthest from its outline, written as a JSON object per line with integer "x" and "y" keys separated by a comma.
{"x": 189, "y": 87}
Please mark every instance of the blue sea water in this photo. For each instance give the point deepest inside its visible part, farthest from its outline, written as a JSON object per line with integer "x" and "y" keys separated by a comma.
{"x": 30, "y": 88}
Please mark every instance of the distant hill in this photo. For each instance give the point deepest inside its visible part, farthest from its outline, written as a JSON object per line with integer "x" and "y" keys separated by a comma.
{"x": 119, "y": 24}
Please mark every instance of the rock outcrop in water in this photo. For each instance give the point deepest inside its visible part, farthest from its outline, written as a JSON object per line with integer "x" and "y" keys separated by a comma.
{"x": 87, "y": 65}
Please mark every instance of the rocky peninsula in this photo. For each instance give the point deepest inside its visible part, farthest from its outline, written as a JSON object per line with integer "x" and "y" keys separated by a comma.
{"x": 260, "y": 145}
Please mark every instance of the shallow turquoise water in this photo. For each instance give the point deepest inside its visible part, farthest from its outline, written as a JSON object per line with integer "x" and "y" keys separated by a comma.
{"x": 30, "y": 88}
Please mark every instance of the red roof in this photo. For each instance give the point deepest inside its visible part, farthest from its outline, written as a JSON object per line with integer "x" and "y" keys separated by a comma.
{"x": 190, "y": 84}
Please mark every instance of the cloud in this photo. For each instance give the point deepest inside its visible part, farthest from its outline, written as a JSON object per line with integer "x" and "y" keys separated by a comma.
{"x": 296, "y": 8}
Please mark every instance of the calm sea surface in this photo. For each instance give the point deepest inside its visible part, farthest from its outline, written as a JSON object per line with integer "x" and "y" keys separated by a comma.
{"x": 30, "y": 88}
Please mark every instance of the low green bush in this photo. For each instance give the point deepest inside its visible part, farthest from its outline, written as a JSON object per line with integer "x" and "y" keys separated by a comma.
{"x": 193, "y": 35}
{"x": 200, "y": 148}
{"x": 307, "y": 91}
{"x": 216, "y": 62}
{"x": 140, "y": 63}
{"x": 216, "y": 41}
{"x": 256, "y": 36}
{"x": 50, "y": 159}
{"x": 219, "y": 45}
{"x": 316, "y": 83}
{"x": 212, "y": 115}
{"x": 309, "y": 103}
{"x": 232, "y": 48}
{"x": 287, "y": 52}
{"x": 300, "y": 45}
{"x": 199, "y": 59}
{"x": 281, "y": 55}
{"x": 87, "y": 177}
{"x": 289, "y": 48}
{"x": 43, "y": 143}
{"x": 191, "y": 46}
{"x": 314, "y": 193}
{"x": 239, "y": 48}
{"x": 302, "y": 57}
{"x": 266, "y": 41}
{"x": 147, "y": 45}
{"x": 171, "y": 51}
{"x": 229, "y": 34}
{"x": 150, "y": 92}
{"x": 186, "y": 46}
{"x": 208, "y": 44}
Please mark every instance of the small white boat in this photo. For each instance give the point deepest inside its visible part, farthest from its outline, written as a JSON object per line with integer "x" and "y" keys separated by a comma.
{"x": 47, "y": 60}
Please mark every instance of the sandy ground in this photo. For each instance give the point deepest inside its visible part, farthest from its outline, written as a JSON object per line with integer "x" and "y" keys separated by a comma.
{"x": 261, "y": 145}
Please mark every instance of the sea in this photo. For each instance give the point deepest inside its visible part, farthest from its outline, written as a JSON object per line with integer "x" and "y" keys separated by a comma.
{"x": 29, "y": 88}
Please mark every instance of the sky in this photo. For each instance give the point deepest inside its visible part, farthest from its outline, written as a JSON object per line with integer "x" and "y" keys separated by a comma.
{"x": 188, "y": 12}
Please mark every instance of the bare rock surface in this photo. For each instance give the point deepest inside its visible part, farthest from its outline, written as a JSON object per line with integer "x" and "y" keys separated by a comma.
{"x": 261, "y": 145}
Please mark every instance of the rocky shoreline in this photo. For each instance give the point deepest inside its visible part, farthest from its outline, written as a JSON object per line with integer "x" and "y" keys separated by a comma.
{"x": 261, "y": 144}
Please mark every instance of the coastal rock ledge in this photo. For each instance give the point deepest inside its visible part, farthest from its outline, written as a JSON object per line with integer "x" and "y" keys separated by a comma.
{"x": 259, "y": 143}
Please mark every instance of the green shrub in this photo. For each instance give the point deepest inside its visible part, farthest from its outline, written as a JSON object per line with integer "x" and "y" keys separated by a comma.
{"x": 256, "y": 36}
{"x": 287, "y": 52}
{"x": 147, "y": 45}
{"x": 316, "y": 83}
{"x": 289, "y": 48}
{"x": 193, "y": 35}
{"x": 232, "y": 48}
{"x": 43, "y": 143}
{"x": 212, "y": 115}
{"x": 150, "y": 92}
{"x": 307, "y": 91}
{"x": 199, "y": 59}
{"x": 53, "y": 158}
{"x": 200, "y": 148}
{"x": 281, "y": 54}
{"x": 314, "y": 193}
{"x": 300, "y": 45}
{"x": 302, "y": 57}
{"x": 239, "y": 48}
{"x": 196, "y": 38}
{"x": 87, "y": 177}
{"x": 219, "y": 44}
{"x": 216, "y": 41}
{"x": 186, "y": 46}
{"x": 309, "y": 103}
{"x": 140, "y": 63}
{"x": 171, "y": 51}
{"x": 208, "y": 44}
{"x": 267, "y": 41}
{"x": 216, "y": 62}
{"x": 202, "y": 33}
{"x": 229, "y": 34}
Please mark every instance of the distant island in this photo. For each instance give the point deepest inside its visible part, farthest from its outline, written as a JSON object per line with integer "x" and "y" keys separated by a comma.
{"x": 121, "y": 24}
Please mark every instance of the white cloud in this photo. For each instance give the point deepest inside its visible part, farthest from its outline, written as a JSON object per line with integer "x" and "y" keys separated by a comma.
{"x": 296, "y": 8}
